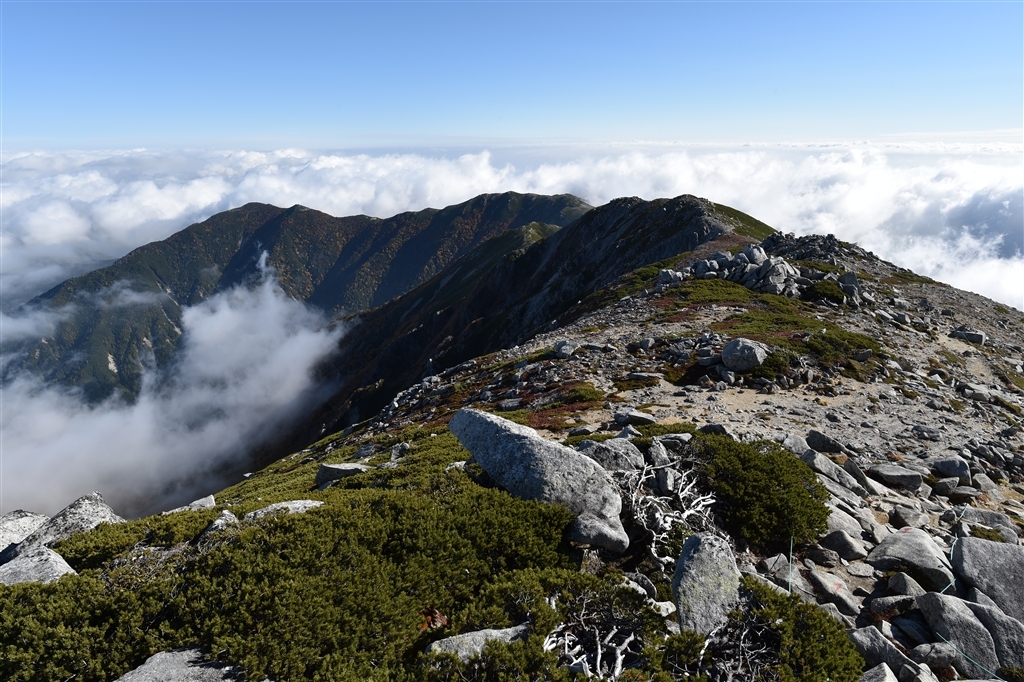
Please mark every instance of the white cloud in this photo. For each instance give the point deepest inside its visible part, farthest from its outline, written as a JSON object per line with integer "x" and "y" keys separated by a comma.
{"x": 244, "y": 369}
{"x": 67, "y": 212}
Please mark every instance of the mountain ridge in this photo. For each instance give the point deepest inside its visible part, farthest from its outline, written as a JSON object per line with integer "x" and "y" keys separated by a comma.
{"x": 331, "y": 263}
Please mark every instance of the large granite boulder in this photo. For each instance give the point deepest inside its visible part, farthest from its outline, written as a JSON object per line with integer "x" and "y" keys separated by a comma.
{"x": 743, "y": 355}
{"x": 533, "y": 468}
{"x": 17, "y": 525}
{"x": 706, "y": 583}
{"x": 617, "y": 454}
{"x": 995, "y": 568}
{"x": 39, "y": 564}
{"x": 181, "y": 665}
{"x": 470, "y": 644}
{"x": 953, "y": 620}
{"x": 83, "y": 514}
{"x": 1007, "y": 634}
{"x": 913, "y": 549}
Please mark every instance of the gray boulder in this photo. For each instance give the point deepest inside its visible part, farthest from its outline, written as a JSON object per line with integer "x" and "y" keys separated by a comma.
{"x": 951, "y": 619}
{"x": 1007, "y": 634}
{"x": 616, "y": 454}
{"x": 743, "y": 355}
{"x": 823, "y": 465}
{"x": 951, "y": 465}
{"x": 937, "y": 655}
{"x": 224, "y": 521}
{"x": 706, "y": 583}
{"x": 840, "y": 520}
{"x": 83, "y": 514}
{"x": 914, "y": 548}
{"x": 634, "y": 418}
{"x": 37, "y": 565}
{"x": 533, "y": 468}
{"x": 880, "y": 673}
{"x": 289, "y": 507}
{"x": 835, "y": 591}
{"x": 470, "y": 644}
{"x": 902, "y": 517}
{"x": 995, "y": 568}
{"x": 329, "y": 473}
{"x": 901, "y": 583}
{"x": 15, "y": 526}
{"x": 181, "y": 665}
{"x": 849, "y": 548}
{"x": 822, "y": 443}
{"x": 876, "y": 650}
{"x": 202, "y": 503}
{"x": 894, "y": 475}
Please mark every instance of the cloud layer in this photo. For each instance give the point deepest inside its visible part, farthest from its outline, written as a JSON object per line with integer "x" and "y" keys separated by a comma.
{"x": 243, "y": 369}
{"x": 953, "y": 213}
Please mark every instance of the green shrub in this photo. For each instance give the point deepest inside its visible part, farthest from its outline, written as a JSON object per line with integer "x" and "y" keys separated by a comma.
{"x": 776, "y": 363}
{"x": 765, "y": 494}
{"x": 811, "y": 645}
{"x": 826, "y": 289}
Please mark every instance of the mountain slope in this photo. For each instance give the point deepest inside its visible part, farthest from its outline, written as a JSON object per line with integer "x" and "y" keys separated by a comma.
{"x": 428, "y": 329}
{"x": 119, "y": 320}
{"x": 845, "y": 477}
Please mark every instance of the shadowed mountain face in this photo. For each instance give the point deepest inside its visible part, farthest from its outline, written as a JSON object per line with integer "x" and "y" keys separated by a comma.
{"x": 116, "y": 321}
{"x": 476, "y": 306}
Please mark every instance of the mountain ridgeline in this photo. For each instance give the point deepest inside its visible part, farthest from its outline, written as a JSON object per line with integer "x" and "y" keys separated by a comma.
{"x": 476, "y": 305}
{"x": 119, "y": 321}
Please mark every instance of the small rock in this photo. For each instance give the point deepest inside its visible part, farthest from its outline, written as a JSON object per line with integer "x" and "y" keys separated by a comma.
{"x": 470, "y": 644}
{"x": 634, "y": 418}
{"x": 880, "y": 673}
{"x": 202, "y": 503}
{"x": 329, "y": 473}
{"x": 224, "y": 521}
{"x": 290, "y": 507}
{"x": 835, "y": 591}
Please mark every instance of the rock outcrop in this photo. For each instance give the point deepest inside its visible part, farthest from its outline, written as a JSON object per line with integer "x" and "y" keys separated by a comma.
{"x": 533, "y": 468}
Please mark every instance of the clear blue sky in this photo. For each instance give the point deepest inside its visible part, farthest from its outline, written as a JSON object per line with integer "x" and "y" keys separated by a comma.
{"x": 331, "y": 74}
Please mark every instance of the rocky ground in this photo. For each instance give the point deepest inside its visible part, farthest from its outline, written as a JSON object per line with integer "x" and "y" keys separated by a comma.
{"x": 903, "y": 395}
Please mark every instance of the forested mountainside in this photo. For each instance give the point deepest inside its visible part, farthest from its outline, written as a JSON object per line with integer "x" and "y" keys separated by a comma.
{"x": 117, "y": 322}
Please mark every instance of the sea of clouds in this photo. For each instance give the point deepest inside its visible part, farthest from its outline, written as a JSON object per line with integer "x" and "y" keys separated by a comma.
{"x": 952, "y": 213}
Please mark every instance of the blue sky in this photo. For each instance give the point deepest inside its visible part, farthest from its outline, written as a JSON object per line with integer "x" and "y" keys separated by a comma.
{"x": 347, "y": 75}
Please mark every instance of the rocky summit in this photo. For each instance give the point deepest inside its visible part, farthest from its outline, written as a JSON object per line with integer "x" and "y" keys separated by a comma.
{"x": 665, "y": 442}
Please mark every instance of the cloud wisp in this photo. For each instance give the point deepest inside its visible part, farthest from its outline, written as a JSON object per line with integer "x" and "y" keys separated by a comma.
{"x": 948, "y": 212}
{"x": 244, "y": 368}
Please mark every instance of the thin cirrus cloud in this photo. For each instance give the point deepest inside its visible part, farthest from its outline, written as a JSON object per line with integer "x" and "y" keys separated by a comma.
{"x": 953, "y": 213}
